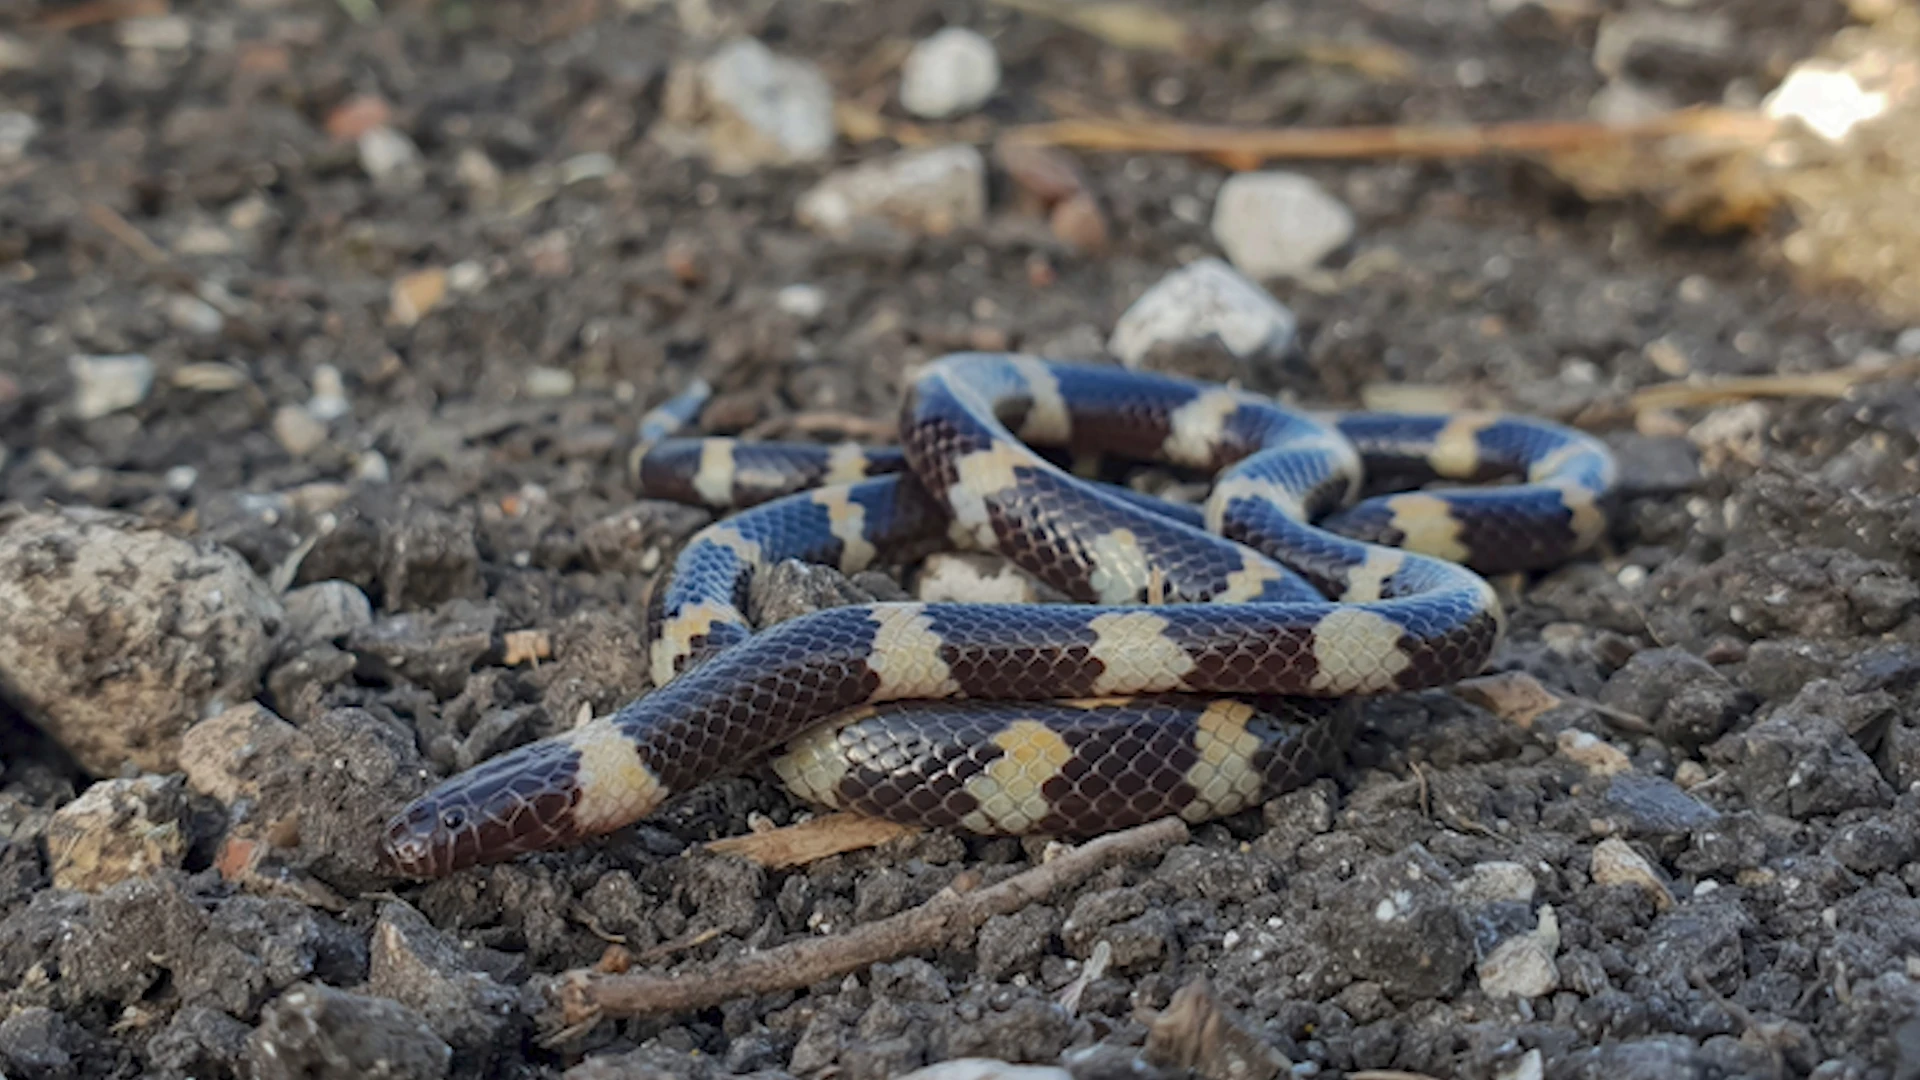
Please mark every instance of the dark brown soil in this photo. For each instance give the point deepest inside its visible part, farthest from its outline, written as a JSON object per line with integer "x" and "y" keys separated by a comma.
{"x": 1757, "y": 613}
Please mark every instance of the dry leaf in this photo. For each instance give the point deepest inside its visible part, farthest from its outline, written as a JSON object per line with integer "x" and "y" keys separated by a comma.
{"x": 811, "y": 841}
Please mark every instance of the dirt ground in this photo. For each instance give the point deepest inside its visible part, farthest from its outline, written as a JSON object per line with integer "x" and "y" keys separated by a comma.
{"x": 1699, "y": 862}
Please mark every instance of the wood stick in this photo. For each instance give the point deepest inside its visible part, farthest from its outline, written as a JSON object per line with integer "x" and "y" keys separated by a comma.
{"x": 586, "y": 995}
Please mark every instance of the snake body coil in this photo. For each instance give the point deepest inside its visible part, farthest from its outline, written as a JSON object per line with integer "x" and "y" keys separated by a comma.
{"x": 1211, "y": 663}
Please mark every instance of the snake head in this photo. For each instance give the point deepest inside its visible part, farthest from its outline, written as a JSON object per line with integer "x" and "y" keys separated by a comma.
{"x": 543, "y": 796}
{"x": 512, "y": 804}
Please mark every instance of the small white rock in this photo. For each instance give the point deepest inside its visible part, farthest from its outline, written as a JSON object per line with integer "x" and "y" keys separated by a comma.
{"x": 547, "y": 382}
{"x": 954, "y": 71}
{"x": 1206, "y": 299}
{"x": 1278, "y": 224}
{"x": 801, "y": 301}
{"x": 595, "y": 165}
{"x": 931, "y": 191}
{"x": 1599, "y": 757}
{"x": 787, "y": 102}
{"x": 17, "y": 129}
{"x": 108, "y": 384}
{"x": 1522, "y": 966}
{"x": 390, "y": 158}
{"x": 298, "y": 430}
{"x": 194, "y": 315}
{"x": 1908, "y": 343}
{"x": 181, "y": 478}
{"x": 467, "y": 276}
{"x": 372, "y": 468}
{"x": 329, "y": 400}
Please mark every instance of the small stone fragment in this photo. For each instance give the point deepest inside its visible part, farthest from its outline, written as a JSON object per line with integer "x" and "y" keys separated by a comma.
{"x": 314, "y": 1030}
{"x": 391, "y": 159}
{"x": 1615, "y": 862}
{"x": 415, "y": 964}
{"x": 329, "y": 400}
{"x": 526, "y": 647}
{"x": 1654, "y": 805}
{"x": 356, "y": 116}
{"x": 194, "y": 315}
{"x": 108, "y": 384}
{"x": 326, "y": 611}
{"x": 986, "y": 1069}
{"x": 17, "y": 129}
{"x": 1595, "y": 755}
{"x": 1205, "y": 301}
{"x": 932, "y": 191}
{"x": 114, "y": 639}
{"x": 548, "y": 382}
{"x": 1510, "y": 695}
{"x": 117, "y": 829}
{"x": 416, "y": 294}
{"x": 1523, "y": 966}
{"x": 1196, "y": 1033}
{"x": 801, "y": 301}
{"x": 297, "y": 430}
{"x": 745, "y": 107}
{"x": 1277, "y": 224}
{"x": 224, "y": 757}
{"x": 1802, "y": 760}
{"x": 1495, "y": 882}
{"x": 1078, "y": 223}
{"x": 954, "y": 71}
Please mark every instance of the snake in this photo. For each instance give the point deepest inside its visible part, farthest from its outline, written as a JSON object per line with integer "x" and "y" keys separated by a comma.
{"x": 1197, "y": 657}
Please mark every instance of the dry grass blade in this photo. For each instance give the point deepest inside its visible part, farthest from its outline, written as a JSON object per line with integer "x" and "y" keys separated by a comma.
{"x": 1390, "y": 140}
{"x": 1833, "y": 384}
{"x": 1123, "y": 25}
{"x": 811, "y": 841}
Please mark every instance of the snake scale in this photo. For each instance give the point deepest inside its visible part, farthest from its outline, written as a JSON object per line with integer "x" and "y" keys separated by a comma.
{"x": 1213, "y": 659}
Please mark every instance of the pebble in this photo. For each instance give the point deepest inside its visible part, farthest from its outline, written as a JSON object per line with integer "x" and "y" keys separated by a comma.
{"x": 931, "y": 191}
{"x": 1205, "y": 300}
{"x": 223, "y": 757}
{"x": 193, "y": 628}
{"x": 467, "y": 276}
{"x": 549, "y": 382}
{"x": 194, "y": 315}
{"x": 165, "y": 32}
{"x": 1523, "y": 965}
{"x": 298, "y": 430}
{"x": 390, "y": 158}
{"x": 1597, "y": 756}
{"x": 764, "y": 109}
{"x": 117, "y": 829}
{"x": 987, "y": 1069}
{"x": 1495, "y": 882}
{"x": 1616, "y": 863}
{"x": 801, "y": 301}
{"x": 17, "y": 129}
{"x": 329, "y": 400}
{"x": 314, "y": 1030}
{"x": 952, "y": 72}
{"x": 1908, "y": 343}
{"x": 326, "y": 611}
{"x": 108, "y": 384}
{"x": 1278, "y": 224}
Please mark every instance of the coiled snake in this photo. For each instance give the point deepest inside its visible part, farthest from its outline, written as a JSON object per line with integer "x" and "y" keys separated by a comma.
{"x": 1204, "y": 670}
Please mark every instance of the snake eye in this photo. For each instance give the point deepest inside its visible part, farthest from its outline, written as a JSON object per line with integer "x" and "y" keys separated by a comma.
{"x": 453, "y": 819}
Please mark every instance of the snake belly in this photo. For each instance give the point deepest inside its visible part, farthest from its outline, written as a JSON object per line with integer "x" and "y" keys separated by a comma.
{"x": 1213, "y": 658}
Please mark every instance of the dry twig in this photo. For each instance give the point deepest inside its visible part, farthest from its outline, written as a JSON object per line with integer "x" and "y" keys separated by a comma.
{"x": 585, "y": 996}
